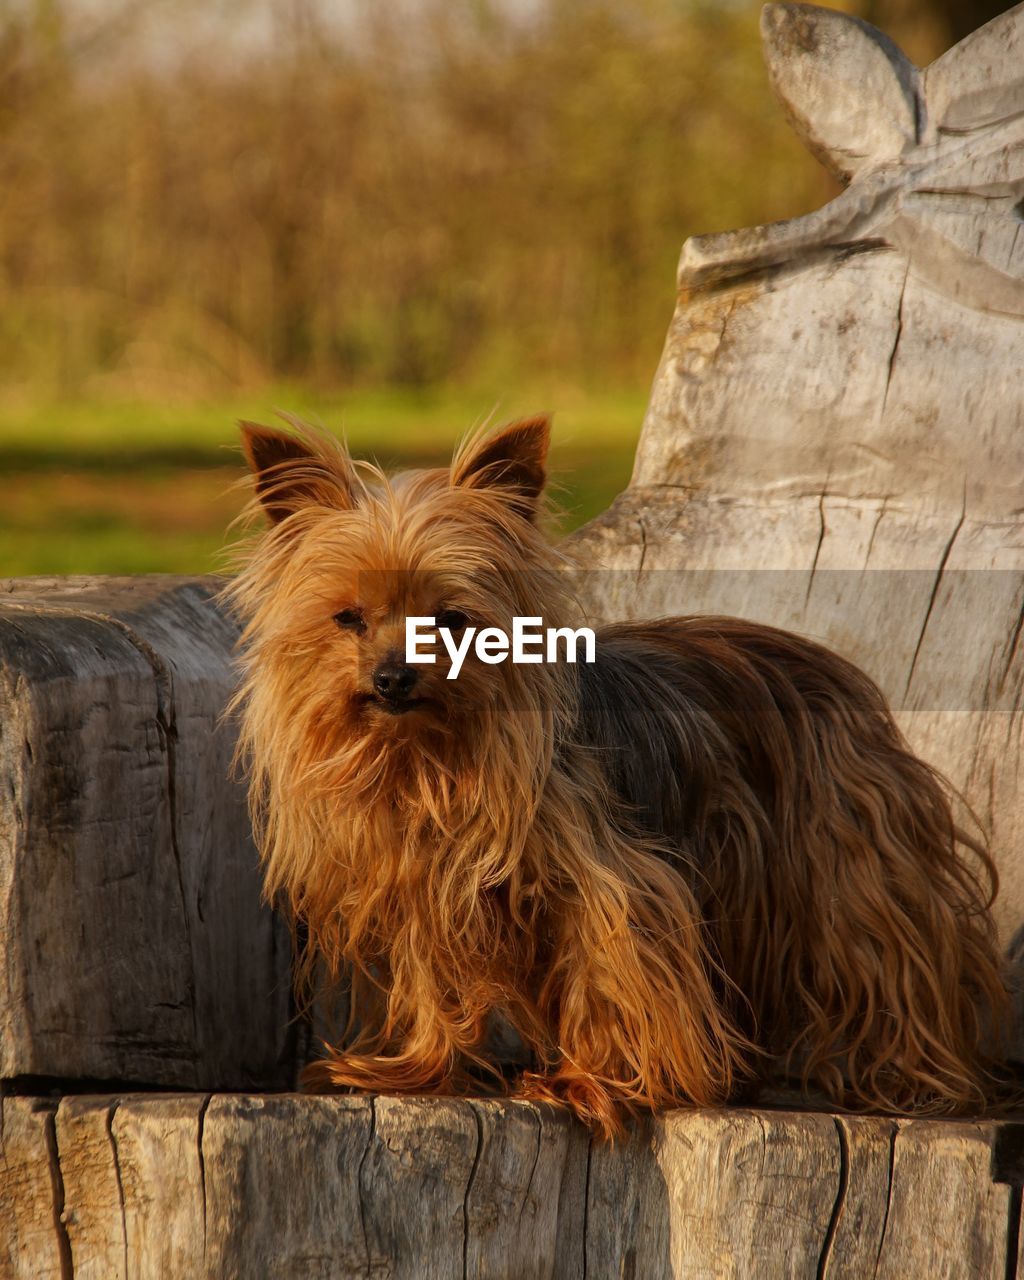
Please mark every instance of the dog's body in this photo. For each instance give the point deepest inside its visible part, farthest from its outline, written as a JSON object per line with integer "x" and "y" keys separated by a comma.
{"x": 708, "y": 850}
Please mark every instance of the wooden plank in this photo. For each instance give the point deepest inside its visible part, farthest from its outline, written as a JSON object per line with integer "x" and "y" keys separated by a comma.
{"x": 146, "y": 1186}
{"x": 33, "y": 1243}
{"x": 947, "y": 1218}
{"x": 136, "y": 946}
{"x": 94, "y": 1210}
{"x": 748, "y": 1193}
{"x": 283, "y": 1189}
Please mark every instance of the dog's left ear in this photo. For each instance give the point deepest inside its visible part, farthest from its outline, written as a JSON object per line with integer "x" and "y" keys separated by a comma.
{"x": 511, "y": 461}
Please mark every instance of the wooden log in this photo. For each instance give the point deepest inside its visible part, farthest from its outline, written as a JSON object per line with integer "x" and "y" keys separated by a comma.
{"x": 249, "y": 1185}
{"x": 134, "y": 943}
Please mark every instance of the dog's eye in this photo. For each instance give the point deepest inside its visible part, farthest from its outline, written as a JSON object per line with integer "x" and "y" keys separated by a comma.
{"x": 452, "y": 620}
{"x": 351, "y": 620}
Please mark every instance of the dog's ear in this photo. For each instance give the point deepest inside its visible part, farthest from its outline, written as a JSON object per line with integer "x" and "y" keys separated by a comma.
{"x": 510, "y": 460}
{"x": 291, "y": 471}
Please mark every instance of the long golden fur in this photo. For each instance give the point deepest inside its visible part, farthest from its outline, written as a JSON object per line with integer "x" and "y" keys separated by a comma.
{"x": 708, "y": 856}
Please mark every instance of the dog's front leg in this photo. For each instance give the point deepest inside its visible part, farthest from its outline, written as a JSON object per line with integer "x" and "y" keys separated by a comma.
{"x": 634, "y": 1013}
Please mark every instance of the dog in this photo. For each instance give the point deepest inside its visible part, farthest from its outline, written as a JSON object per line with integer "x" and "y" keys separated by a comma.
{"x": 703, "y": 860}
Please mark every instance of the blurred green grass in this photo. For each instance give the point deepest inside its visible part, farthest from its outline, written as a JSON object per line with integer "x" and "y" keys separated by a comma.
{"x": 152, "y": 488}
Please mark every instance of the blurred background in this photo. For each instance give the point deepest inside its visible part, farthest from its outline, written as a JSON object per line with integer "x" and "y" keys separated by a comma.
{"x": 394, "y": 218}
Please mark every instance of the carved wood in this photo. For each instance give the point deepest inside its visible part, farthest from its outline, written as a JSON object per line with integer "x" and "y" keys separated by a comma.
{"x": 835, "y": 437}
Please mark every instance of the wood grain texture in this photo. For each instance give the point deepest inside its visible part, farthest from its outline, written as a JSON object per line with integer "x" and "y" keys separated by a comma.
{"x": 94, "y": 1216}
{"x": 134, "y": 943}
{"x": 944, "y": 1220}
{"x": 835, "y": 436}
{"x": 749, "y": 1193}
{"x": 862, "y": 1203}
{"x": 293, "y": 1186}
{"x": 283, "y": 1194}
{"x": 33, "y": 1241}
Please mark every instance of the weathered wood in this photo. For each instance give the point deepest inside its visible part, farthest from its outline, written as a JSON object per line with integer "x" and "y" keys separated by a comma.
{"x": 749, "y": 1193}
{"x": 134, "y": 943}
{"x": 627, "y": 1208}
{"x": 291, "y": 1186}
{"x": 946, "y": 1218}
{"x": 513, "y": 1204}
{"x": 862, "y": 1204}
{"x": 156, "y": 1142}
{"x": 94, "y": 1216}
{"x": 33, "y": 1243}
{"x": 833, "y": 444}
{"x": 835, "y": 436}
{"x": 283, "y": 1186}
{"x": 423, "y": 1152}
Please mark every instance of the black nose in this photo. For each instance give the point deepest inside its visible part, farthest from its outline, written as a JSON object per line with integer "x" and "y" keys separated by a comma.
{"x": 394, "y": 682}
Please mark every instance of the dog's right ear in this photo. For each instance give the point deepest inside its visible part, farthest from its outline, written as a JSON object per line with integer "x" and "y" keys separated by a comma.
{"x": 292, "y": 472}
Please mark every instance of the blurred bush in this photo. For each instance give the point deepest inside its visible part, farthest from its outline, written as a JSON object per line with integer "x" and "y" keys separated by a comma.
{"x": 453, "y": 189}
{"x": 390, "y": 214}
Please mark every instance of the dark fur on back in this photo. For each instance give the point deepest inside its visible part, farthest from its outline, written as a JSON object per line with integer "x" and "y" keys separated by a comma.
{"x": 843, "y": 900}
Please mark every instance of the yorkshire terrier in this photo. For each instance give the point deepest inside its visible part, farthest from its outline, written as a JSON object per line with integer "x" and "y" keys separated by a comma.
{"x": 704, "y": 858}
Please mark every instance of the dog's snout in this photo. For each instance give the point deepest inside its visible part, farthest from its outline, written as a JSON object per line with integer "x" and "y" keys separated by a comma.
{"x": 394, "y": 681}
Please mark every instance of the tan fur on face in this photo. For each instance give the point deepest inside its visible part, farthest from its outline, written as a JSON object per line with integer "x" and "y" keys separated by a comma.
{"x": 470, "y": 855}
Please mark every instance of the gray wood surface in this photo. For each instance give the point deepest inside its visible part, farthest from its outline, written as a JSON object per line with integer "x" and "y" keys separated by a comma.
{"x": 835, "y": 436}
{"x": 235, "y": 1185}
{"x": 134, "y": 946}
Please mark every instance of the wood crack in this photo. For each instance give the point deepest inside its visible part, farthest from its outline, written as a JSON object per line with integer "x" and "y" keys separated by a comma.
{"x": 934, "y": 594}
{"x": 874, "y": 528}
{"x": 536, "y": 1160}
{"x": 112, "y": 1111}
{"x": 361, "y": 1185}
{"x": 822, "y": 531}
{"x": 469, "y": 1187}
{"x": 894, "y": 1133}
{"x": 67, "y": 1264}
{"x": 200, "y": 1130}
{"x": 840, "y": 1201}
{"x": 1013, "y": 1233}
{"x": 896, "y": 342}
{"x": 168, "y": 729}
{"x": 642, "y": 527}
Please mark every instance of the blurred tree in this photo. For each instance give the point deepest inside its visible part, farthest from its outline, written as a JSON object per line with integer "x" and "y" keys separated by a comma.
{"x": 442, "y": 189}
{"x": 926, "y": 28}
